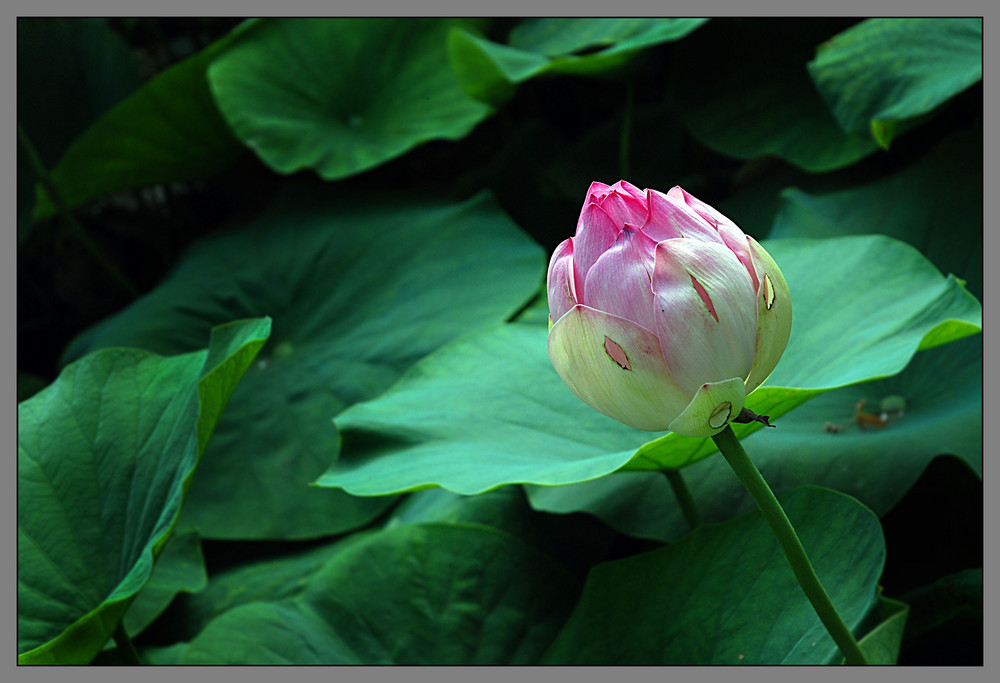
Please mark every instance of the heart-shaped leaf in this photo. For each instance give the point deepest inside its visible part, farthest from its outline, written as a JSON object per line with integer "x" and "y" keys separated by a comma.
{"x": 414, "y": 594}
{"x": 726, "y": 595}
{"x": 105, "y": 456}
{"x": 489, "y": 410}
{"x": 886, "y": 70}
{"x": 359, "y": 287}
{"x": 342, "y": 95}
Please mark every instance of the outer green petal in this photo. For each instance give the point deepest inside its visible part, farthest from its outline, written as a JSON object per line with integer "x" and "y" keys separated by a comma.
{"x": 615, "y": 367}
{"x": 774, "y": 316}
{"x": 711, "y": 409}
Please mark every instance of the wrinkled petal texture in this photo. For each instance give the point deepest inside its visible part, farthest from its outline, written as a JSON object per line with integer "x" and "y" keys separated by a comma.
{"x": 705, "y": 311}
{"x": 595, "y": 234}
{"x": 621, "y": 282}
{"x": 615, "y": 367}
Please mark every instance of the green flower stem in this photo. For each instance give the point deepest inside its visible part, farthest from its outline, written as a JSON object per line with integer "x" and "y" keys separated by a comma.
{"x": 81, "y": 235}
{"x": 125, "y": 646}
{"x": 684, "y": 498}
{"x": 762, "y": 495}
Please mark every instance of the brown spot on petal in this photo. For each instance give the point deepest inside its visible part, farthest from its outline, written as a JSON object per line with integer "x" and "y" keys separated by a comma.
{"x": 704, "y": 297}
{"x": 768, "y": 290}
{"x": 617, "y": 353}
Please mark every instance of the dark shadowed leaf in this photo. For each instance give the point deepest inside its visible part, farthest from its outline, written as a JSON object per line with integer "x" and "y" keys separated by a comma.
{"x": 442, "y": 594}
{"x": 726, "y": 595}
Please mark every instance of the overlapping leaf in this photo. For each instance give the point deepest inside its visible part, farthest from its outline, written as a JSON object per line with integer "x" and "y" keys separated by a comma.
{"x": 489, "y": 410}
{"x": 907, "y": 205}
{"x": 742, "y": 89}
{"x": 105, "y": 458}
{"x": 726, "y": 595}
{"x": 341, "y": 95}
{"x": 886, "y": 70}
{"x": 360, "y": 287}
{"x": 491, "y": 71}
{"x": 441, "y": 594}
{"x": 168, "y": 130}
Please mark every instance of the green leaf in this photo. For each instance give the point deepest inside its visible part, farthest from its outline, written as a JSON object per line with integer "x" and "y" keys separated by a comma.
{"x": 818, "y": 443}
{"x": 881, "y": 644}
{"x": 360, "y": 287}
{"x": 934, "y": 204}
{"x": 180, "y": 568}
{"x": 266, "y": 580}
{"x": 741, "y": 89}
{"x": 726, "y": 595}
{"x": 886, "y": 70}
{"x": 168, "y": 130}
{"x": 489, "y": 410}
{"x": 615, "y": 40}
{"x": 105, "y": 456}
{"x": 342, "y": 95}
{"x": 415, "y": 594}
{"x": 491, "y": 71}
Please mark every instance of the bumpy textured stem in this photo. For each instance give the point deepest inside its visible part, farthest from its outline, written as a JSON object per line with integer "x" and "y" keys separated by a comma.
{"x": 762, "y": 495}
{"x": 125, "y": 646}
{"x": 684, "y": 498}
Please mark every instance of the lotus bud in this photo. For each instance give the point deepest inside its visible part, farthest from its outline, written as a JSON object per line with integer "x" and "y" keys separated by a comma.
{"x": 663, "y": 313}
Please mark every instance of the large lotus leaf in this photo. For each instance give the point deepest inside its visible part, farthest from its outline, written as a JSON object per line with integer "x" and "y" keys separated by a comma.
{"x": 742, "y": 89}
{"x": 105, "y": 456}
{"x": 444, "y": 594}
{"x": 818, "y": 443}
{"x": 360, "y": 287}
{"x": 906, "y": 205}
{"x": 489, "y": 410}
{"x": 491, "y": 71}
{"x": 168, "y": 130}
{"x": 885, "y": 70}
{"x": 726, "y": 595}
{"x": 342, "y": 95}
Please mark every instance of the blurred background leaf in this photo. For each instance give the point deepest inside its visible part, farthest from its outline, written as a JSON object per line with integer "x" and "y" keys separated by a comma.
{"x": 719, "y": 605}
{"x": 341, "y": 95}
{"x": 883, "y": 71}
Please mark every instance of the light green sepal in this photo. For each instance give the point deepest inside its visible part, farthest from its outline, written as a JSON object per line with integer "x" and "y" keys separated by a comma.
{"x": 711, "y": 409}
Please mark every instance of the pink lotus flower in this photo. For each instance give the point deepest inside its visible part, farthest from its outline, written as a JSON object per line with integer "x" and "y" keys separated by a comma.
{"x": 663, "y": 313}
